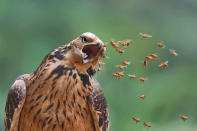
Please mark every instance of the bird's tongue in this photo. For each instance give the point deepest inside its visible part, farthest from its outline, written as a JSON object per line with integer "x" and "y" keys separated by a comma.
{"x": 85, "y": 60}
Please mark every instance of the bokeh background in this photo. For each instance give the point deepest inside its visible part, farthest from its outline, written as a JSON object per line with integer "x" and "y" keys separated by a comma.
{"x": 31, "y": 29}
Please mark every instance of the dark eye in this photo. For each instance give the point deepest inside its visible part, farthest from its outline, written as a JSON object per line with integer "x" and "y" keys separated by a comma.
{"x": 84, "y": 39}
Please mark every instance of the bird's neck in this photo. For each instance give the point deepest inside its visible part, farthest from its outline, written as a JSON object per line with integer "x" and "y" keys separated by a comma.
{"x": 64, "y": 56}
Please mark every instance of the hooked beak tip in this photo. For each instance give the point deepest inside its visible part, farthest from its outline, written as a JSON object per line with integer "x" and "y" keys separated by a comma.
{"x": 99, "y": 45}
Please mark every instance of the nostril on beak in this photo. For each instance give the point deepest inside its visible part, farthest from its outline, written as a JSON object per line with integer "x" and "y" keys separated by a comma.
{"x": 99, "y": 44}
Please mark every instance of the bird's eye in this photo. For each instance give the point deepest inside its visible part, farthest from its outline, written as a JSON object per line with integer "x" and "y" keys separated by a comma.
{"x": 84, "y": 39}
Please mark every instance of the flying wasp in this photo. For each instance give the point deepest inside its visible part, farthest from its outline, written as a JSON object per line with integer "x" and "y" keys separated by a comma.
{"x": 126, "y": 63}
{"x": 115, "y": 45}
{"x": 125, "y": 42}
{"x": 120, "y": 66}
{"x": 142, "y": 79}
{"x": 149, "y": 58}
{"x": 143, "y": 96}
{"x": 136, "y": 119}
{"x": 145, "y": 63}
{"x": 98, "y": 113}
{"x": 120, "y": 74}
{"x": 154, "y": 55}
{"x": 147, "y": 124}
{"x": 120, "y": 51}
{"x": 99, "y": 68}
{"x": 183, "y": 117}
{"x": 145, "y": 35}
{"x": 132, "y": 76}
{"x": 160, "y": 45}
{"x": 164, "y": 64}
{"x": 100, "y": 62}
{"x": 116, "y": 75}
{"x": 173, "y": 52}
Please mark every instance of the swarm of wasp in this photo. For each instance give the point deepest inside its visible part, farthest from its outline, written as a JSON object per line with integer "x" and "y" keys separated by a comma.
{"x": 148, "y": 59}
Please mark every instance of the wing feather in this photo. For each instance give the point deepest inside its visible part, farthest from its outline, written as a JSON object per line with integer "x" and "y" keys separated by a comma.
{"x": 15, "y": 100}
{"x": 99, "y": 107}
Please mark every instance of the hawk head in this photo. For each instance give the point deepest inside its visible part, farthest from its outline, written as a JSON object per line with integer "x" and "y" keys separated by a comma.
{"x": 88, "y": 47}
{"x": 82, "y": 54}
{"x": 85, "y": 52}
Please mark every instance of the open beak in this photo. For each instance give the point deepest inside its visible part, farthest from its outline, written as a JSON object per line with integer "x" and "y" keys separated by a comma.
{"x": 91, "y": 51}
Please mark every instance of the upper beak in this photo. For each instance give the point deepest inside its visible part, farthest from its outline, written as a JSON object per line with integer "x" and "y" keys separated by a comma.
{"x": 102, "y": 48}
{"x": 99, "y": 45}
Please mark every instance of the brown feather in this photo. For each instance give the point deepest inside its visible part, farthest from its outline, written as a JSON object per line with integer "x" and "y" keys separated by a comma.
{"x": 59, "y": 91}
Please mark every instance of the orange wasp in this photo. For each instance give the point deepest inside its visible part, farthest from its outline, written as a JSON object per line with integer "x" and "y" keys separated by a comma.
{"x": 126, "y": 63}
{"x": 149, "y": 58}
{"x": 100, "y": 62}
{"x": 99, "y": 68}
{"x": 145, "y": 35}
{"x": 114, "y": 44}
{"x": 161, "y": 45}
{"x": 132, "y": 76}
{"x": 145, "y": 63}
{"x": 183, "y": 117}
{"x": 98, "y": 113}
{"x": 173, "y": 52}
{"x": 116, "y": 75}
{"x": 125, "y": 42}
{"x": 120, "y": 51}
{"x": 136, "y": 119}
{"x": 143, "y": 96}
{"x": 164, "y": 64}
{"x": 154, "y": 55}
{"x": 120, "y": 66}
{"x": 142, "y": 79}
{"x": 147, "y": 124}
{"x": 120, "y": 74}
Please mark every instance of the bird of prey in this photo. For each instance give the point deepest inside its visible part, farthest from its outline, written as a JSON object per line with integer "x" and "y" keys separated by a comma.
{"x": 61, "y": 94}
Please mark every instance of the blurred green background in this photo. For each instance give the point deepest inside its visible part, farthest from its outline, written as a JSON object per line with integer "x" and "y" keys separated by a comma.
{"x": 31, "y": 29}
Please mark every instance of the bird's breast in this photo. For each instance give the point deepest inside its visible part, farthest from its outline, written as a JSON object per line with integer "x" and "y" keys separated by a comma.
{"x": 58, "y": 101}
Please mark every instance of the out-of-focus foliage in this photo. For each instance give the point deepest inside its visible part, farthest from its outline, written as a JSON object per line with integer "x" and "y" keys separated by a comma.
{"x": 30, "y": 29}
